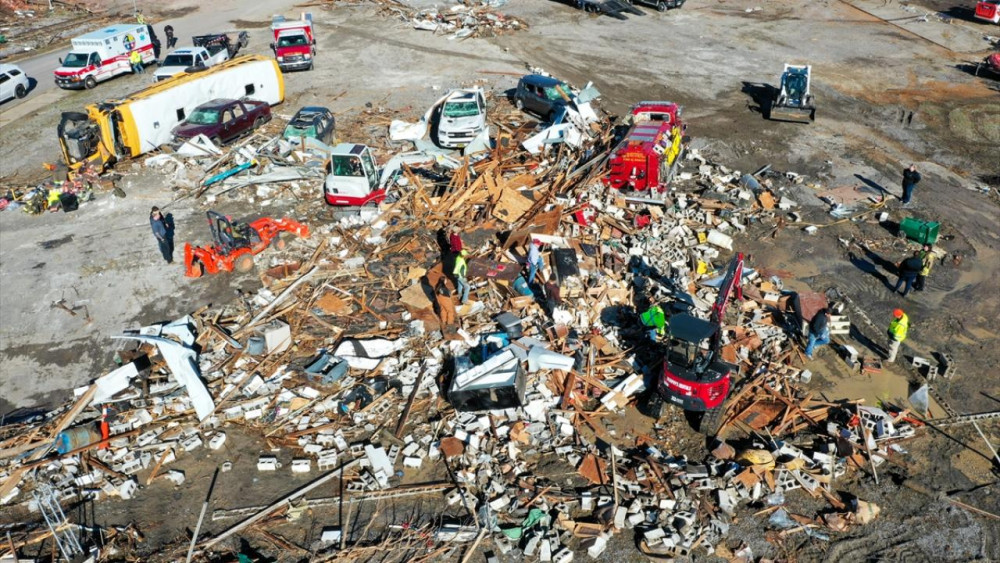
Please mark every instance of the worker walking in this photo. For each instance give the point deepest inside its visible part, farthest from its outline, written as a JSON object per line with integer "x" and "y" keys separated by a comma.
{"x": 927, "y": 263}
{"x": 819, "y": 332}
{"x": 446, "y": 306}
{"x": 163, "y": 230}
{"x": 910, "y": 179}
{"x": 897, "y": 332}
{"x": 909, "y": 269}
{"x": 655, "y": 321}
{"x": 135, "y": 59}
{"x": 171, "y": 40}
{"x": 460, "y": 272}
{"x": 534, "y": 259}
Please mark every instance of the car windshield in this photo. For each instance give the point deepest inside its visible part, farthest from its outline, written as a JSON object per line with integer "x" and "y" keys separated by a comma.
{"x": 343, "y": 165}
{"x": 75, "y": 60}
{"x": 178, "y": 60}
{"x": 300, "y": 131}
{"x": 204, "y": 117}
{"x": 293, "y": 41}
{"x": 552, "y": 94}
{"x": 461, "y": 109}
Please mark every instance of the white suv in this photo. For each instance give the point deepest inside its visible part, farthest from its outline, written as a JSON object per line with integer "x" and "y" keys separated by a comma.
{"x": 462, "y": 119}
{"x": 13, "y": 82}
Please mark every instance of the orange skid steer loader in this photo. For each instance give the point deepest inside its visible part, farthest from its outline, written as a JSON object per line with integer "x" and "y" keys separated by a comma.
{"x": 235, "y": 244}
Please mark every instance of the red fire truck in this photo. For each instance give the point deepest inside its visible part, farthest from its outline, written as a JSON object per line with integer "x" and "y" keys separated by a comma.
{"x": 647, "y": 157}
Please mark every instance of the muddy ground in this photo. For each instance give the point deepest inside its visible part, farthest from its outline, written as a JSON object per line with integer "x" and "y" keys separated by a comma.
{"x": 886, "y": 99}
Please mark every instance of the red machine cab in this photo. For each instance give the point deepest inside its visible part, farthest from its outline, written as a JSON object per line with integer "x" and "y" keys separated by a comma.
{"x": 647, "y": 157}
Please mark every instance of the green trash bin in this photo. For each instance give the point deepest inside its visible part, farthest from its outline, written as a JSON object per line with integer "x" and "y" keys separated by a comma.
{"x": 924, "y": 232}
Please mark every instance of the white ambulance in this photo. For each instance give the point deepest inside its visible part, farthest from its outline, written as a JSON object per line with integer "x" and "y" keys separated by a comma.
{"x": 103, "y": 54}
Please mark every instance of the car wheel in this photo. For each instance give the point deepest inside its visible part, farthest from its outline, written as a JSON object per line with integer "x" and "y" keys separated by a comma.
{"x": 519, "y": 104}
{"x": 661, "y": 6}
{"x": 258, "y": 123}
{"x": 244, "y": 263}
{"x": 216, "y": 141}
{"x": 90, "y": 82}
{"x": 20, "y": 91}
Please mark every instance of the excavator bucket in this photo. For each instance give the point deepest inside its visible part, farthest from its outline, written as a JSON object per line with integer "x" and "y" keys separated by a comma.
{"x": 796, "y": 114}
{"x": 192, "y": 268}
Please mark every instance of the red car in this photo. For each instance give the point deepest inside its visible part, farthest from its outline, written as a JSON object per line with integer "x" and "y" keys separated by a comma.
{"x": 223, "y": 120}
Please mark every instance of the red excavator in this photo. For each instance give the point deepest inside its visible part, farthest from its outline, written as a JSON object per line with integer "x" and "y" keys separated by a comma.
{"x": 695, "y": 377}
{"x": 235, "y": 244}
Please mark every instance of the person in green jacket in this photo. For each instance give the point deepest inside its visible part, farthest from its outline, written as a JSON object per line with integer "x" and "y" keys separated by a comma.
{"x": 655, "y": 321}
{"x": 460, "y": 271}
{"x": 897, "y": 332}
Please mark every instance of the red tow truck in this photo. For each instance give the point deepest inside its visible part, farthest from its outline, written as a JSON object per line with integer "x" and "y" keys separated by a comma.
{"x": 294, "y": 43}
{"x": 648, "y": 155}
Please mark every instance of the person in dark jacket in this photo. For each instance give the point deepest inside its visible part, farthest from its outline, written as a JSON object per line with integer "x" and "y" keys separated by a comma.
{"x": 171, "y": 40}
{"x": 910, "y": 179}
{"x": 163, "y": 230}
{"x": 819, "y": 332}
{"x": 909, "y": 269}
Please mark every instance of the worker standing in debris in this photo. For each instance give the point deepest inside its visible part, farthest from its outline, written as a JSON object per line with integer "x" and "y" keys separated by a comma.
{"x": 655, "y": 321}
{"x": 135, "y": 59}
{"x": 819, "y": 332}
{"x": 897, "y": 332}
{"x": 163, "y": 230}
{"x": 534, "y": 259}
{"x": 455, "y": 240}
{"x": 446, "y": 306}
{"x": 927, "y": 262}
{"x": 460, "y": 272}
{"x": 909, "y": 269}
{"x": 910, "y": 179}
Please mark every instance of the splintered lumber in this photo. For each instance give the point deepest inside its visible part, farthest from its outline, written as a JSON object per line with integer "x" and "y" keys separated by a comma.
{"x": 280, "y": 503}
{"x": 281, "y": 297}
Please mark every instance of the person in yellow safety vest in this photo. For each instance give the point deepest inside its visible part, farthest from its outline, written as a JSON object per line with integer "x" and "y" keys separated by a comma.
{"x": 139, "y": 18}
{"x": 135, "y": 59}
{"x": 656, "y": 321}
{"x": 460, "y": 271}
{"x": 897, "y": 332}
{"x": 927, "y": 261}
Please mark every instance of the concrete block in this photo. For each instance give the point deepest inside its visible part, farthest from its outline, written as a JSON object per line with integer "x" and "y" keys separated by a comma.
{"x": 413, "y": 462}
{"x": 216, "y": 441}
{"x": 127, "y": 489}
{"x": 268, "y": 463}
{"x": 176, "y": 477}
{"x": 301, "y": 465}
{"x": 564, "y": 555}
{"x": 330, "y": 534}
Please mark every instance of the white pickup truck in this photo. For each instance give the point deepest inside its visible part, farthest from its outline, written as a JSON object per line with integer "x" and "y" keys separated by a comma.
{"x": 208, "y": 50}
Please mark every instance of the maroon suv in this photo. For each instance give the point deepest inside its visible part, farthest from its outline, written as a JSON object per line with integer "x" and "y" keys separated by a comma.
{"x": 223, "y": 120}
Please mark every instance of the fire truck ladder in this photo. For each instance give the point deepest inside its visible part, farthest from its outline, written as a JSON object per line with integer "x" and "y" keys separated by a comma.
{"x": 55, "y": 519}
